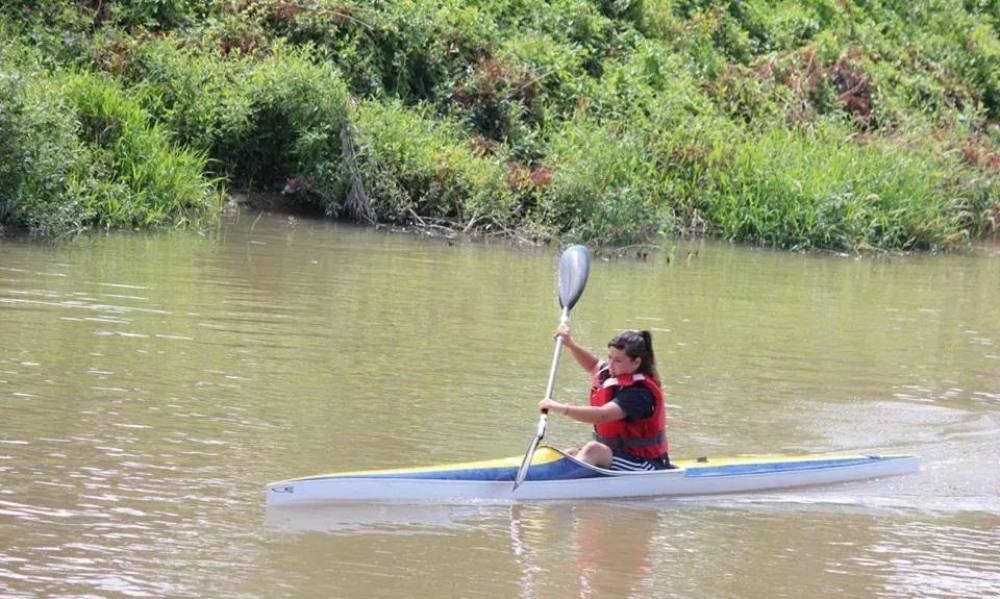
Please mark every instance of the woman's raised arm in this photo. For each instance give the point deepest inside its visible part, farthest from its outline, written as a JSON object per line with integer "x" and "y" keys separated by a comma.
{"x": 583, "y": 356}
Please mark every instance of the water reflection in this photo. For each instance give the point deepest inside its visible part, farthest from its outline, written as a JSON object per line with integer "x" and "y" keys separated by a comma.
{"x": 559, "y": 549}
{"x": 603, "y": 568}
{"x": 663, "y": 548}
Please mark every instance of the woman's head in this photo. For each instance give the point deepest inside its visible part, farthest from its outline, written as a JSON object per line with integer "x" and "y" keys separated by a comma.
{"x": 631, "y": 352}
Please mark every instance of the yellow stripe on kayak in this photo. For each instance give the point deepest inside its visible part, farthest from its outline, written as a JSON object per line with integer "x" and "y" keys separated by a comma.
{"x": 547, "y": 455}
{"x": 543, "y": 455}
{"x": 710, "y": 462}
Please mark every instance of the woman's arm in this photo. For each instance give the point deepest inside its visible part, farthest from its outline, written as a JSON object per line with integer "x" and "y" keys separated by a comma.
{"x": 609, "y": 412}
{"x": 583, "y": 356}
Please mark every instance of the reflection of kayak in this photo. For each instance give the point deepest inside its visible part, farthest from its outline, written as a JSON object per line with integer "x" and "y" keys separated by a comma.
{"x": 555, "y": 475}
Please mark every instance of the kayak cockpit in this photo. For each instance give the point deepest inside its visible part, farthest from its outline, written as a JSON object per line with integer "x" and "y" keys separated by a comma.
{"x": 548, "y": 463}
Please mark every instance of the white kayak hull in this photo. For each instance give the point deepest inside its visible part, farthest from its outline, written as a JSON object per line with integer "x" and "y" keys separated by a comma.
{"x": 556, "y": 476}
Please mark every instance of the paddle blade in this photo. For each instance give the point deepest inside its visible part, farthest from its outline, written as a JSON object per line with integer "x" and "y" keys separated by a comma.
{"x": 574, "y": 268}
{"x": 522, "y": 472}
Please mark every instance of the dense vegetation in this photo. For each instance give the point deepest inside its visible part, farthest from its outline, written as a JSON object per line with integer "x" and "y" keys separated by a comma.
{"x": 840, "y": 124}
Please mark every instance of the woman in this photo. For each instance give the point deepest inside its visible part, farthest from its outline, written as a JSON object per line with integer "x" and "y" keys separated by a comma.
{"x": 626, "y": 405}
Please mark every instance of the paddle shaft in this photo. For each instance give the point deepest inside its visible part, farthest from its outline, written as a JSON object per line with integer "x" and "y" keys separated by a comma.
{"x": 555, "y": 357}
{"x": 543, "y": 419}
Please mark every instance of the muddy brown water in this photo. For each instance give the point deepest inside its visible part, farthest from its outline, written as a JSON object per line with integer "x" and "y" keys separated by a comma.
{"x": 152, "y": 384}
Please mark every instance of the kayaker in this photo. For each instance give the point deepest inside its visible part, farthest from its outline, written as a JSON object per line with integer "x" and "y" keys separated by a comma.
{"x": 626, "y": 404}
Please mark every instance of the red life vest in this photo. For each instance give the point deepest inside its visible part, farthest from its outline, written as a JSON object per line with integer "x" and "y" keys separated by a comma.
{"x": 642, "y": 438}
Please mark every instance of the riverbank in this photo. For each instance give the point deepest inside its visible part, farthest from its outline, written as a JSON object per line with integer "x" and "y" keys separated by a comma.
{"x": 847, "y": 126}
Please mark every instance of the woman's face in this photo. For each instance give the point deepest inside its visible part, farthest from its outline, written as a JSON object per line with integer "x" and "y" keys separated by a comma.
{"x": 620, "y": 364}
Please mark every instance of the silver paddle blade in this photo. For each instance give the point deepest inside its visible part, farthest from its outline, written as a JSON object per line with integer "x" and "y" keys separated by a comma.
{"x": 574, "y": 268}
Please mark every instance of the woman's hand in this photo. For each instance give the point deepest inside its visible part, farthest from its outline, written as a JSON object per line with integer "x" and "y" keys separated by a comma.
{"x": 562, "y": 332}
{"x": 552, "y": 406}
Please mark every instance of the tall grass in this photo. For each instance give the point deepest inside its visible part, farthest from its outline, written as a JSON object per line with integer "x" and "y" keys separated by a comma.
{"x": 415, "y": 166}
{"x": 42, "y": 158}
{"x": 805, "y": 189}
{"x": 262, "y": 120}
{"x": 606, "y": 186}
{"x": 77, "y": 151}
{"x": 138, "y": 177}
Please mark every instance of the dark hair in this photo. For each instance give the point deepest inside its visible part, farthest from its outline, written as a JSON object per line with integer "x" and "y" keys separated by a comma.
{"x": 638, "y": 344}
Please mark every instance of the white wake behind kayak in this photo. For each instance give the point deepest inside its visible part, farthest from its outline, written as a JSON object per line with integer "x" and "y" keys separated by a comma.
{"x": 555, "y": 475}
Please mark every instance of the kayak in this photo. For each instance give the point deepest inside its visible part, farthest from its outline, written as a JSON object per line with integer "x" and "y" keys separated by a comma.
{"x": 554, "y": 475}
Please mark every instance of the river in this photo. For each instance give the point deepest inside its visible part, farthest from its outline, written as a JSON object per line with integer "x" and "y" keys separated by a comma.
{"x": 152, "y": 384}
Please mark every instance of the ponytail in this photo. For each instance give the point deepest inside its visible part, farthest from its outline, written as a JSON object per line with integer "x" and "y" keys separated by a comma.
{"x": 638, "y": 344}
{"x": 649, "y": 362}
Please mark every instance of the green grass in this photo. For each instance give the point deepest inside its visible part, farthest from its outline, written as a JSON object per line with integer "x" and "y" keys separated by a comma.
{"x": 138, "y": 176}
{"x": 807, "y": 189}
{"x": 42, "y": 158}
{"x": 261, "y": 120}
{"x": 820, "y": 124}
{"x": 78, "y": 152}
{"x": 414, "y": 165}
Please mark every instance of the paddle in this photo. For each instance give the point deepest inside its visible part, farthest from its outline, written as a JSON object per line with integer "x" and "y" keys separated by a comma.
{"x": 574, "y": 267}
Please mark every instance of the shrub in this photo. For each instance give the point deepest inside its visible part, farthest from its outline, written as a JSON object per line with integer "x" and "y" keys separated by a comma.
{"x": 151, "y": 14}
{"x": 556, "y": 68}
{"x": 41, "y": 157}
{"x": 408, "y": 50}
{"x": 297, "y": 110}
{"x": 137, "y": 176}
{"x": 196, "y": 94}
{"x": 818, "y": 189}
{"x": 812, "y": 123}
{"x": 77, "y": 151}
{"x": 414, "y": 165}
{"x": 606, "y": 186}
{"x": 263, "y": 120}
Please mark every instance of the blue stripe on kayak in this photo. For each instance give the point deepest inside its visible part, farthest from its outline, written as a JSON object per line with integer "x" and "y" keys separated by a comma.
{"x": 776, "y": 467}
{"x": 562, "y": 469}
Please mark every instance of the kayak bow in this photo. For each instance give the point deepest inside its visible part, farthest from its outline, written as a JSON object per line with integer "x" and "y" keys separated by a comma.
{"x": 555, "y": 475}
